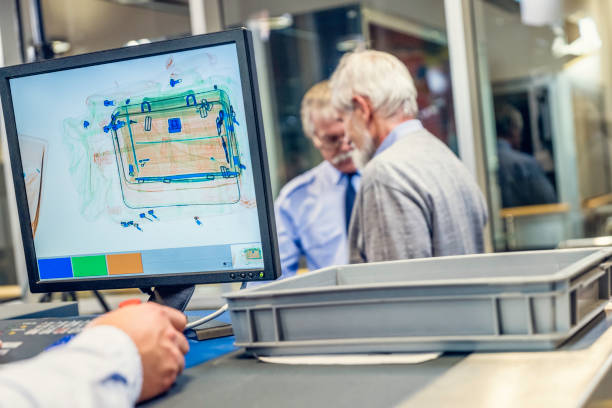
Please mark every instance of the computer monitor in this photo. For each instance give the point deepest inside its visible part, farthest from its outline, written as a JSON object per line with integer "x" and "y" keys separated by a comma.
{"x": 142, "y": 166}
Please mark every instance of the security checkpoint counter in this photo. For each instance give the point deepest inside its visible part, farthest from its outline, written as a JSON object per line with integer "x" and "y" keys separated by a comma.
{"x": 574, "y": 375}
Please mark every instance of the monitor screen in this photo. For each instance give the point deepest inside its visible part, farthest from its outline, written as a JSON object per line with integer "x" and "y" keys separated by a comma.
{"x": 144, "y": 167}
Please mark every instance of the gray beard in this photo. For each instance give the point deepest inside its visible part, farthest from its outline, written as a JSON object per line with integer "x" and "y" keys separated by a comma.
{"x": 362, "y": 156}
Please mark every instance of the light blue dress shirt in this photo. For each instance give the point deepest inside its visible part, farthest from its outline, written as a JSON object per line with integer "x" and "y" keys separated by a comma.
{"x": 310, "y": 219}
{"x": 100, "y": 367}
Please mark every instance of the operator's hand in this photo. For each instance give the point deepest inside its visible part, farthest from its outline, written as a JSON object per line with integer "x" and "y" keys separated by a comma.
{"x": 157, "y": 332}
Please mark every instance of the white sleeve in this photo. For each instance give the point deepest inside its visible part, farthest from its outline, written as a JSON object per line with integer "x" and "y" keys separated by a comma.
{"x": 100, "y": 367}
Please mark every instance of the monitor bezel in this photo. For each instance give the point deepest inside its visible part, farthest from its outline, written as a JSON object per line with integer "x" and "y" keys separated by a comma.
{"x": 246, "y": 59}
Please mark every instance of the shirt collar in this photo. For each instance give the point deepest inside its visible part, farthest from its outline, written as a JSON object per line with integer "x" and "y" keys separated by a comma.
{"x": 398, "y": 132}
{"x": 333, "y": 173}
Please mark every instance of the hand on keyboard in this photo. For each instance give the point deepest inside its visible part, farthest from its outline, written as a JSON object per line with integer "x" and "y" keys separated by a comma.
{"x": 157, "y": 333}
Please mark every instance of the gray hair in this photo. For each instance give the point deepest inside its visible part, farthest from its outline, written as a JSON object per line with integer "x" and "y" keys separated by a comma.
{"x": 380, "y": 77}
{"x": 316, "y": 103}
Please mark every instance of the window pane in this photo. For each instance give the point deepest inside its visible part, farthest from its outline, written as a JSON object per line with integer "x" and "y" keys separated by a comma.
{"x": 76, "y": 27}
{"x": 302, "y": 43}
{"x": 546, "y": 87}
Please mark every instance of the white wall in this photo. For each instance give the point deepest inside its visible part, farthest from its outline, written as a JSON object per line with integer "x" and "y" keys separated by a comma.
{"x": 12, "y": 260}
{"x": 9, "y": 34}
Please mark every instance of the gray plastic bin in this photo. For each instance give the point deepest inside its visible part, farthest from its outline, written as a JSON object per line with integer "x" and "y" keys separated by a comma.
{"x": 509, "y": 301}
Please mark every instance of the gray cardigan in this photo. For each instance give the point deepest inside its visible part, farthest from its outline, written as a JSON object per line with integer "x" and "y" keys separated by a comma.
{"x": 416, "y": 200}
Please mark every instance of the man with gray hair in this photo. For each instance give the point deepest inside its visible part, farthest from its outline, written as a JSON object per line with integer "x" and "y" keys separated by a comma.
{"x": 416, "y": 198}
{"x": 313, "y": 209}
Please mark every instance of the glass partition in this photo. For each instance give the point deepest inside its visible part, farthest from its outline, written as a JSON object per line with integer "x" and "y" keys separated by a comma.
{"x": 69, "y": 27}
{"x": 302, "y": 44}
{"x": 546, "y": 85}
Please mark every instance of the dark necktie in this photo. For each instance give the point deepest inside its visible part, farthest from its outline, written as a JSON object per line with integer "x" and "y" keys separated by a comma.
{"x": 349, "y": 199}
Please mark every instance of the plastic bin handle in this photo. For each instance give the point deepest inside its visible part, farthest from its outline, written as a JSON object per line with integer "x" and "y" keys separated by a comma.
{"x": 590, "y": 277}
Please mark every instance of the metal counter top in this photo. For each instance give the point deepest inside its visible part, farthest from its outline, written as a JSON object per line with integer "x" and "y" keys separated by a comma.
{"x": 561, "y": 378}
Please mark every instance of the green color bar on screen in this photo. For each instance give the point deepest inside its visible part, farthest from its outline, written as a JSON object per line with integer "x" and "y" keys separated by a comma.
{"x": 84, "y": 266}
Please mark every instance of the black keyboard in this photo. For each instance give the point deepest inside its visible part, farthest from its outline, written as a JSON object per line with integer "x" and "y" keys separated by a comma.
{"x": 25, "y": 338}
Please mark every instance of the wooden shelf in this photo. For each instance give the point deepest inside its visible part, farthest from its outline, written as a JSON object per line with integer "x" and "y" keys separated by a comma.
{"x": 530, "y": 210}
{"x": 8, "y": 292}
{"x": 598, "y": 201}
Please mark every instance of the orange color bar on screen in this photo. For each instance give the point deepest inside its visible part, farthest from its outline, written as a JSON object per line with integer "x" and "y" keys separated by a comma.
{"x": 122, "y": 264}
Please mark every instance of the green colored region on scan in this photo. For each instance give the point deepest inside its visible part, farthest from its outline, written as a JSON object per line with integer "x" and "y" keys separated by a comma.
{"x": 84, "y": 266}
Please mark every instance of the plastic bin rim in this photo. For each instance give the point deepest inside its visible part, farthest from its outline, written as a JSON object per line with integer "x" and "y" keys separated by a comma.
{"x": 565, "y": 273}
{"x": 555, "y": 336}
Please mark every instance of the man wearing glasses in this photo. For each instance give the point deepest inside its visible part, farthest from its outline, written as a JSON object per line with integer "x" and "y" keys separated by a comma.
{"x": 313, "y": 210}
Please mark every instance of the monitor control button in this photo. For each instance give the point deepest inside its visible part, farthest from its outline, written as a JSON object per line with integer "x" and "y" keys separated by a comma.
{"x": 232, "y": 275}
{"x": 243, "y": 275}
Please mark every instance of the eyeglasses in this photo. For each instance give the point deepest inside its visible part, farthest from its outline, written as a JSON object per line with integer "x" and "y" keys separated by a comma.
{"x": 330, "y": 142}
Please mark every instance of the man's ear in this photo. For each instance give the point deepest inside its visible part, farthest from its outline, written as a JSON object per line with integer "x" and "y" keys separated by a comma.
{"x": 363, "y": 107}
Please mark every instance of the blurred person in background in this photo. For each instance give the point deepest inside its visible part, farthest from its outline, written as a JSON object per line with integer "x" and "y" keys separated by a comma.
{"x": 313, "y": 209}
{"x": 521, "y": 178}
{"x": 416, "y": 199}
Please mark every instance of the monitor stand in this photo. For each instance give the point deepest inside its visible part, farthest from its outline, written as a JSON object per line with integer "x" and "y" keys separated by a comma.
{"x": 176, "y": 297}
